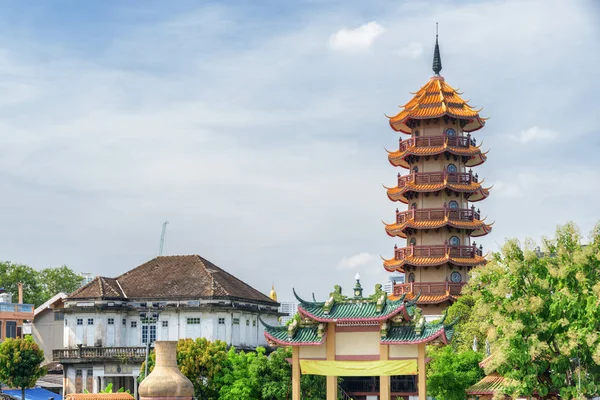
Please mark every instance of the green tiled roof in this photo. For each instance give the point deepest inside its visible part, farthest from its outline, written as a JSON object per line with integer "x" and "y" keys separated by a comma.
{"x": 304, "y": 335}
{"x": 407, "y": 334}
{"x": 353, "y": 310}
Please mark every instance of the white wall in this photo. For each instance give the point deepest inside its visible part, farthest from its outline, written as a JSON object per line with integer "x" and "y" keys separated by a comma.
{"x": 249, "y": 333}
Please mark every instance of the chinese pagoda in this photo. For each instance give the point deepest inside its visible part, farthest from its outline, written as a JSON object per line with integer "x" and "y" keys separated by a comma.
{"x": 371, "y": 340}
{"x": 439, "y": 189}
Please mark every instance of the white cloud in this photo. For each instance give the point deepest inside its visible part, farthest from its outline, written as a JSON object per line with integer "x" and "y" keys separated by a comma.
{"x": 357, "y": 261}
{"x": 536, "y": 134}
{"x": 412, "y": 50}
{"x": 358, "y": 39}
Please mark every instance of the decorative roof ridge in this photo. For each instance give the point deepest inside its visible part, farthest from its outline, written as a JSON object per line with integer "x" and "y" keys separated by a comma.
{"x": 414, "y": 300}
{"x": 451, "y": 324}
{"x": 302, "y": 301}
{"x": 269, "y": 326}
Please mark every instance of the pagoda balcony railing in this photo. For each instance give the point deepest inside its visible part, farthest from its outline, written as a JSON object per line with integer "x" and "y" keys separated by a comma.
{"x": 402, "y": 253}
{"x": 434, "y": 214}
{"x": 425, "y": 178}
{"x": 436, "y": 141}
{"x": 429, "y": 288}
{"x": 99, "y": 353}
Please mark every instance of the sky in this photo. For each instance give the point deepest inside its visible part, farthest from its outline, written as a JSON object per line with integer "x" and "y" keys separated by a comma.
{"x": 258, "y": 129}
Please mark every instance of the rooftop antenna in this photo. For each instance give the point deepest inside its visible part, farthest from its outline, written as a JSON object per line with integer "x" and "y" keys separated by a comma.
{"x": 162, "y": 238}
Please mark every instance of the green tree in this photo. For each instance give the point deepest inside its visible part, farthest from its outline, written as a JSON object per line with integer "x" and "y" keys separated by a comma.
{"x": 254, "y": 376}
{"x": 241, "y": 381}
{"x": 56, "y": 280}
{"x": 450, "y": 373}
{"x": 38, "y": 286}
{"x": 542, "y": 314}
{"x": 21, "y": 363}
{"x": 201, "y": 361}
{"x": 11, "y": 274}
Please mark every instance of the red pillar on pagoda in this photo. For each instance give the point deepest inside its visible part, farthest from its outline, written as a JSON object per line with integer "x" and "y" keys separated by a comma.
{"x": 438, "y": 187}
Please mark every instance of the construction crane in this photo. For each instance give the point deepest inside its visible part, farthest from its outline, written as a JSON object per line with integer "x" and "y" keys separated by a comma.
{"x": 162, "y": 238}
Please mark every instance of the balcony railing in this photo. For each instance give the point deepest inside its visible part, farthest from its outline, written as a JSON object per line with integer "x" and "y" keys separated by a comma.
{"x": 438, "y": 251}
{"x": 425, "y": 178}
{"x": 14, "y": 307}
{"x": 436, "y": 141}
{"x": 91, "y": 353}
{"x": 429, "y": 288}
{"x": 434, "y": 214}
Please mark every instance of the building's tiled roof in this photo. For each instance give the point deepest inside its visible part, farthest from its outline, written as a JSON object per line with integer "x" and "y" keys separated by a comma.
{"x": 305, "y": 335}
{"x": 432, "y": 298}
{"x": 355, "y": 311}
{"x": 437, "y": 99}
{"x": 99, "y": 396}
{"x": 403, "y": 334}
{"x": 171, "y": 277}
{"x": 408, "y": 334}
{"x": 398, "y": 265}
{"x": 477, "y": 192}
{"x": 487, "y": 386}
{"x": 475, "y": 155}
{"x": 478, "y": 227}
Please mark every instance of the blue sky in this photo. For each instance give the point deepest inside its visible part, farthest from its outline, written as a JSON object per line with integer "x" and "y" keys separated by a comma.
{"x": 257, "y": 129}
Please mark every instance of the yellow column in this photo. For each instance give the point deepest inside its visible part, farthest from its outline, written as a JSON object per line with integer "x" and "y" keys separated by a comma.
{"x": 331, "y": 380}
{"x": 295, "y": 373}
{"x": 421, "y": 372}
{"x": 384, "y": 381}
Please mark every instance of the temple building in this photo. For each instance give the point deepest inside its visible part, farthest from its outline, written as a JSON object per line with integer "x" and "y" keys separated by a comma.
{"x": 438, "y": 188}
{"x": 375, "y": 344}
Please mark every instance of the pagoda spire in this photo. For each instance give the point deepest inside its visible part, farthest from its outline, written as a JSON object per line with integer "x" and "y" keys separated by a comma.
{"x": 437, "y": 59}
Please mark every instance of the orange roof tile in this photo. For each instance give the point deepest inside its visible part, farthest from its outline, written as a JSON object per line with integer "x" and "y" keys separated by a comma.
{"x": 431, "y": 298}
{"x": 476, "y": 156}
{"x": 479, "y": 227}
{"x": 437, "y": 99}
{"x": 477, "y": 192}
{"x": 393, "y": 264}
{"x": 99, "y": 396}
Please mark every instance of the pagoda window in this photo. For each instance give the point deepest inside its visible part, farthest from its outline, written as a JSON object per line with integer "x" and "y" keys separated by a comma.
{"x": 411, "y": 277}
{"x": 450, "y": 132}
{"x": 456, "y": 277}
{"x": 452, "y": 168}
{"x": 453, "y": 204}
{"x": 454, "y": 241}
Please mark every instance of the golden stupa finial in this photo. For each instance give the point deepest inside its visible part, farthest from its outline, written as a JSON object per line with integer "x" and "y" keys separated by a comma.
{"x": 273, "y": 294}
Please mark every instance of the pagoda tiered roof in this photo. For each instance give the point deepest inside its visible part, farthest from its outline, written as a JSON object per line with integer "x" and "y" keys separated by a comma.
{"x": 399, "y": 320}
{"x": 436, "y": 99}
{"x": 432, "y": 146}
{"x": 433, "y": 255}
{"x": 408, "y": 222}
{"x": 434, "y": 182}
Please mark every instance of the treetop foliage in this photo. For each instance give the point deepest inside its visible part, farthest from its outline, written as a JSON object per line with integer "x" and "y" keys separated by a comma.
{"x": 38, "y": 286}
{"x": 540, "y": 309}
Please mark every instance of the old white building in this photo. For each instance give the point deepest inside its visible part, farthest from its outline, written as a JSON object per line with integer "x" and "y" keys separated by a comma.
{"x": 109, "y": 321}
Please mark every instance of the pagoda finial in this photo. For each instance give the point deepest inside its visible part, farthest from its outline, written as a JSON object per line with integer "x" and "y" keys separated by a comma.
{"x": 437, "y": 59}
